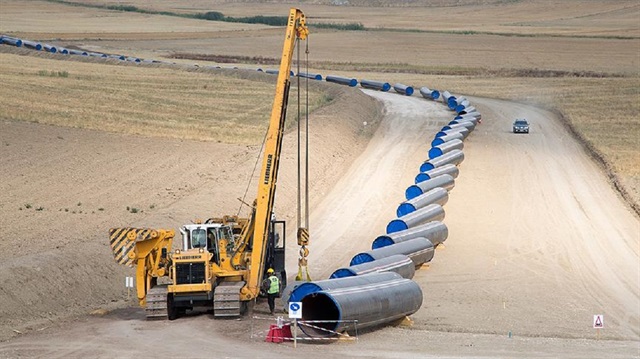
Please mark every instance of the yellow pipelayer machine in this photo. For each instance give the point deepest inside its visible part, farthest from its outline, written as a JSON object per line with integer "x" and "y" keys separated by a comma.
{"x": 222, "y": 261}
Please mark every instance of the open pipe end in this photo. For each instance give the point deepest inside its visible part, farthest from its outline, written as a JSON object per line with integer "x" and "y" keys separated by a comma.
{"x": 320, "y": 307}
{"x": 361, "y": 258}
{"x": 434, "y": 152}
{"x": 413, "y": 191}
{"x": 397, "y": 225}
{"x": 342, "y": 273}
{"x": 426, "y": 167}
{"x": 302, "y": 290}
{"x": 382, "y": 241}
{"x": 438, "y": 140}
{"x": 421, "y": 177}
{"x": 404, "y": 209}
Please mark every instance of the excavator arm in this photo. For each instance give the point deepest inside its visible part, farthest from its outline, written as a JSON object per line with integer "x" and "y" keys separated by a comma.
{"x": 296, "y": 29}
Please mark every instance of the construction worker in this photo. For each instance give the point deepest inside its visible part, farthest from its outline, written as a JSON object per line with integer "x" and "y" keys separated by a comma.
{"x": 273, "y": 288}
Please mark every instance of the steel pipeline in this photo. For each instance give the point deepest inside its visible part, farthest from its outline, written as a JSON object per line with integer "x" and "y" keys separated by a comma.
{"x": 32, "y": 45}
{"x": 469, "y": 125}
{"x": 436, "y": 232}
{"x": 441, "y": 149}
{"x": 370, "y": 305}
{"x": 430, "y": 213}
{"x": 464, "y": 131}
{"x": 419, "y": 249}
{"x": 429, "y": 94}
{"x": 317, "y": 77}
{"x": 445, "y": 181}
{"x": 448, "y": 169}
{"x": 437, "y": 195}
{"x": 375, "y": 85}
{"x": 306, "y": 288}
{"x": 455, "y": 157}
{"x": 403, "y": 89}
{"x": 11, "y": 41}
{"x": 398, "y": 263}
{"x": 342, "y": 80}
{"x": 50, "y": 48}
{"x": 451, "y": 136}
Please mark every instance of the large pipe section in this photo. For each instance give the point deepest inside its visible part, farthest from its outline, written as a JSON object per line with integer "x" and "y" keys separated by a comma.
{"x": 445, "y": 181}
{"x": 452, "y": 103}
{"x": 370, "y": 305}
{"x": 32, "y": 45}
{"x": 98, "y": 54}
{"x": 50, "y": 48}
{"x": 430, "y": 213}
{"x": 342, "y": 80}
{"x": 446, "y": 147}
{"x": 446, "y": 95}
{"x": 449, "y": 169}
{"x": 375, "y": 85}
{"x": 11, "y": 41}
{"x": 463, "y": 103}
{"x": 467, "y": 124}
{"x": 307, "y": 75}
{"x": 456, "y": 157}
{"x": 119, "y": 57}
{"x": 475, "y": 115}
{"x": 436, "y": 232}
{"x": 462, "y": 120}
{"x": 437, "y": 195}
{"x": 403, "y": 89}
{"x": 307, "y": 288}
{"x": 78, "y": 52}
{"x": 464, "y": 131}
{"x": 398, "y": 263}
{"x": 419, "y": 249}
{"x": 291, "y": 286}
{"x": 451, "y": 136}
{"x": 429, "y": 94}
{"x": 469, "y": 109}
{"x": 275, "y": 72}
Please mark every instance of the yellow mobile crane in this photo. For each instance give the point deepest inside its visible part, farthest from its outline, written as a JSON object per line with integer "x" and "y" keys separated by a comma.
{"x": 222, "y": 261}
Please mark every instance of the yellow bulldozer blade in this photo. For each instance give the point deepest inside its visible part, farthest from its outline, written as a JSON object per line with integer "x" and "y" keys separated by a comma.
{"x": 123, "y": 240}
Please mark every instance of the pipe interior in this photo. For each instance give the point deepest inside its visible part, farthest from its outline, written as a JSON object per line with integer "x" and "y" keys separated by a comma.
{"x": 320, "y": 306}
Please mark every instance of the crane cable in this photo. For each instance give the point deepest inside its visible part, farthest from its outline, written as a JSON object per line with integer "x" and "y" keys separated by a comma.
{"x": 303, "y": 227}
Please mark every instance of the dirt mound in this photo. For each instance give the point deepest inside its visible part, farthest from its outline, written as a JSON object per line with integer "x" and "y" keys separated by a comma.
{"x": 62, "y": 189}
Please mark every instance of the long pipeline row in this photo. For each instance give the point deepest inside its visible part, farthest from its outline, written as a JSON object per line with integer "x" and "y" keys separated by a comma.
{"x": 377, "y": 286}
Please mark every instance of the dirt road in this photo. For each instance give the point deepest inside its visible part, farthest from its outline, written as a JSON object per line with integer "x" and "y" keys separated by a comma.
{"x": 539, "y": 242}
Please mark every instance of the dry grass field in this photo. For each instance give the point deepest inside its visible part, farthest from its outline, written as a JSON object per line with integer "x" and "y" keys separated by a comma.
{"x": 48, "y": 20}
{"x": 202, "y": 105}
{"x": 578, "y": 57}
{"x": 529, "y": 18}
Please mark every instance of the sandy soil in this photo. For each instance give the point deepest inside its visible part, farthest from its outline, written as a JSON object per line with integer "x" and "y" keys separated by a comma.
{"x": 539, "y": 242}
{"x": 55, "y": 259}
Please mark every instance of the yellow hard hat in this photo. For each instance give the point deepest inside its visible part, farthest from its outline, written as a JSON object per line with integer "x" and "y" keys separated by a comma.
{"x": 270, "y": 270}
